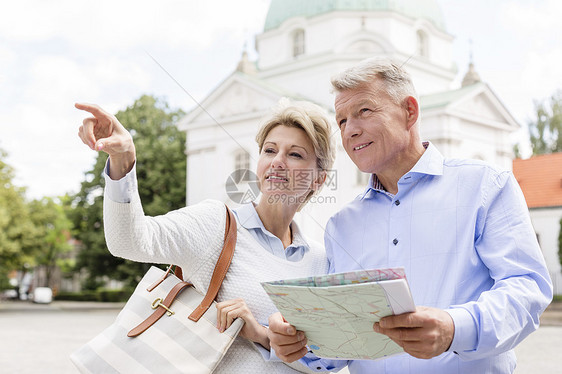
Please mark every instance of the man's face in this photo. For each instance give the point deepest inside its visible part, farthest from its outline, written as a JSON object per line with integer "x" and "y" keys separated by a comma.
{"x": 374, "y": 129}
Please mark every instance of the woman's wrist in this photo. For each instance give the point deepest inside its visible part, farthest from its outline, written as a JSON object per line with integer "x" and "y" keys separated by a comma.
{"x": 120, "y": 165}
{"x": 260, "y": 336}
{"x": 263, "y": 338}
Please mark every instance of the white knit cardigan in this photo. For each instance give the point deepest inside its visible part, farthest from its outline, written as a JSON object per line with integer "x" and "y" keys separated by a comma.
{"x": 192, "y": 238}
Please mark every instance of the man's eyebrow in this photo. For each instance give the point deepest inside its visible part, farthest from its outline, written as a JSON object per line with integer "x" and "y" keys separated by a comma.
{"x": 371, "y": 102}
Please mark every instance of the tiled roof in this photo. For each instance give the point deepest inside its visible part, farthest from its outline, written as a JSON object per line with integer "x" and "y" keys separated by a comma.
{"x": 540, "y": 178}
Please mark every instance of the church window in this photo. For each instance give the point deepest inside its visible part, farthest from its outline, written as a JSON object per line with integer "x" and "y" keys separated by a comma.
{"x": 242, "y": 160}
{"x": 422, "y": 47}
{"x": 298, "y": 43}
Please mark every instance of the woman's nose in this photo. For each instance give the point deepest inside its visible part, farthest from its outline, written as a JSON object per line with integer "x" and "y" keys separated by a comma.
{"x": 278, "y": 161}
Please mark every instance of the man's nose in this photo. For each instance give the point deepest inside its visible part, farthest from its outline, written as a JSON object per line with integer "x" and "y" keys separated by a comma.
{"x": 352, "y": 128}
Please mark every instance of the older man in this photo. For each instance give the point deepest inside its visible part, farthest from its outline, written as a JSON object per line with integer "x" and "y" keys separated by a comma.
{"x": 460, "y": 228}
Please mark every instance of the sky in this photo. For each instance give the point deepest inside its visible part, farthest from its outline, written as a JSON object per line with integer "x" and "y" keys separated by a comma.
{"x": 55, "y": 53}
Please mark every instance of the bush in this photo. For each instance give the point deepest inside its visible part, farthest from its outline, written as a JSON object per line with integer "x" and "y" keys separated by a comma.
{"x": 101, "y": 295}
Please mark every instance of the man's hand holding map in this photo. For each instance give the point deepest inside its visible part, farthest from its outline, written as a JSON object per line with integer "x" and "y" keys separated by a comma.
{"x": 337, "y": 311}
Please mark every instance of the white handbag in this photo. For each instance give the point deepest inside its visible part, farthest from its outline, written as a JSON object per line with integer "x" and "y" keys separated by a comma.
{"x": 167, "y": 326}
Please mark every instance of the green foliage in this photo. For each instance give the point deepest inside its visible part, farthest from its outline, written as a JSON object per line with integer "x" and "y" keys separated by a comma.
{"x": 161, "y": 172}
{"x": 31, "y": 233}
{"x": 516, "y": 151}
{"x": 102, "y": 295}
{"x": 17, "y": 232}
{"x": 546, "y": 129}
{"x": 52, "y": 234}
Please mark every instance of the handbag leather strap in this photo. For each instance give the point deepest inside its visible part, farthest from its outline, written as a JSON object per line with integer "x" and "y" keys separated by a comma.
{"x": 159, "y": 312}
{"x": 221, "y": 267}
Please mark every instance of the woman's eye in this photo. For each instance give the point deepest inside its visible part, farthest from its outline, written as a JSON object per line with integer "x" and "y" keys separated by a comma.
{"x": 269, "y": 150}
{"x": 294, "y": 154}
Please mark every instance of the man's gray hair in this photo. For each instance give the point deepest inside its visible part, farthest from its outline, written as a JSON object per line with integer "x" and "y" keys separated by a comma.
{"x": 396, "y": 80}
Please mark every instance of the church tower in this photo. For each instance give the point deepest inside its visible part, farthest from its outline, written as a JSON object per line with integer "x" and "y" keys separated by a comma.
{"x": 305, "y": 42}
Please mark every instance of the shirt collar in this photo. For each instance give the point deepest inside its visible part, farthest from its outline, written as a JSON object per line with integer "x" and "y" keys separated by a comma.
{"x": 249, "y": 219}
{"x": 430, "y": 163}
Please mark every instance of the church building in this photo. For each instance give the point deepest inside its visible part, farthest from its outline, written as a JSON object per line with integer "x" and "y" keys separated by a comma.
{"x": 304, "y": 43}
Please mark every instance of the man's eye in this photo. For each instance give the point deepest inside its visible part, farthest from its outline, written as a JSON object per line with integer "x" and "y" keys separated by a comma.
{"x": 365, "y": 110}
{"x": 342, "y": 122}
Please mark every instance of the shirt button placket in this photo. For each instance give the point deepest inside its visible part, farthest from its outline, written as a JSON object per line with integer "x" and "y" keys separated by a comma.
{"x": 395, "y": 241}
{"x": 394, "y": 232}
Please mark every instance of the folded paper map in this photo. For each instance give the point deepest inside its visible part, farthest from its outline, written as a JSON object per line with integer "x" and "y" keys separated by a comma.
{"x": 337, "y": 311}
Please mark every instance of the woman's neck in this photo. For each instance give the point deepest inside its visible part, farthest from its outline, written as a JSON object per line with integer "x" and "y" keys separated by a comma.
{"x": 276, "y": 219}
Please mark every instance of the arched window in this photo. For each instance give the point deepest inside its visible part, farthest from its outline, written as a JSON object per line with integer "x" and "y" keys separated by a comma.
{"x": 298, "y": 42}
{"x": 422, "y": 48}
{"x": 241, "y": 160}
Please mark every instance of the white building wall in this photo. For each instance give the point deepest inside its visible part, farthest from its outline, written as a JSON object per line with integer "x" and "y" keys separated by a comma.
{"x": 461, "y": 138}
{"x": 211, "y": 157}
{"x": 547, "y": 226}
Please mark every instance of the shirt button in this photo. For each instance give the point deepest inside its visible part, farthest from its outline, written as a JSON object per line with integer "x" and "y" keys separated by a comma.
{"x": 397, "y": 202}
{"x": 395, "y": 241}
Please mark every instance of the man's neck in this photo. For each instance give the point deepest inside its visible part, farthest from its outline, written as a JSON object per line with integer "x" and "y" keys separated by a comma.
{"x": 391, "y": 175}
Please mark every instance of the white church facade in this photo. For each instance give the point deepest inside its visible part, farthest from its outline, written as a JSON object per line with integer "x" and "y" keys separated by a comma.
{"x": 302, "y": 45}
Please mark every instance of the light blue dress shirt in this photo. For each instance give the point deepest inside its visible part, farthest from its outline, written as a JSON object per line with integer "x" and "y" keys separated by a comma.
{"x": 461, "y": 230}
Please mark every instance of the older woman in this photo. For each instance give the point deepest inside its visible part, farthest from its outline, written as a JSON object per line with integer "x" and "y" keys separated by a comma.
{"x": 295, "y": 152}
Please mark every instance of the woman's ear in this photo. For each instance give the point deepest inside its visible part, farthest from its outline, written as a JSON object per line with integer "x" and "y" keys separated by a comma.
{"x": 319, "y": 180}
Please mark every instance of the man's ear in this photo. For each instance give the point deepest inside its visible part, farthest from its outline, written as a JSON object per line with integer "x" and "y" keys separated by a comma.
{"x": 413, "y": 110}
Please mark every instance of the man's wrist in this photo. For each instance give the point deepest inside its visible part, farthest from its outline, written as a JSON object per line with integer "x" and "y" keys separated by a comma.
{"x": 465, "y": 337}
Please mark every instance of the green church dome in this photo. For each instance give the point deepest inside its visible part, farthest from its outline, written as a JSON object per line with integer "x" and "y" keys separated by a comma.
{"x": 282, "y": 10}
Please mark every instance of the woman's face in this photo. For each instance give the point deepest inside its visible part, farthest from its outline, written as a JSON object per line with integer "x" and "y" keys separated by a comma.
{"x": 287, "y": 166}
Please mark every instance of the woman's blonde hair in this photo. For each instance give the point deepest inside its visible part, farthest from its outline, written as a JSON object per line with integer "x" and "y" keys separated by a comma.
{"x": 313, "y": 120}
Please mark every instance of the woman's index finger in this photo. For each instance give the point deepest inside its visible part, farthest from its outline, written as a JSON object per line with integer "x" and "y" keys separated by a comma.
{"x": 94, "y": 109}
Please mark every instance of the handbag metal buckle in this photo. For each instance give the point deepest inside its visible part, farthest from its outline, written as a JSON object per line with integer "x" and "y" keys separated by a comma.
{"x": 158, "y": 302}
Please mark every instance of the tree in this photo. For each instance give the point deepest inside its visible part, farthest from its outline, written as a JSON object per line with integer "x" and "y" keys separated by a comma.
{"x": 161, "y": 171}
{"x": 546, "y": 129}
{"x": 51, "y": 233}
{"x": 16, "y": 229}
